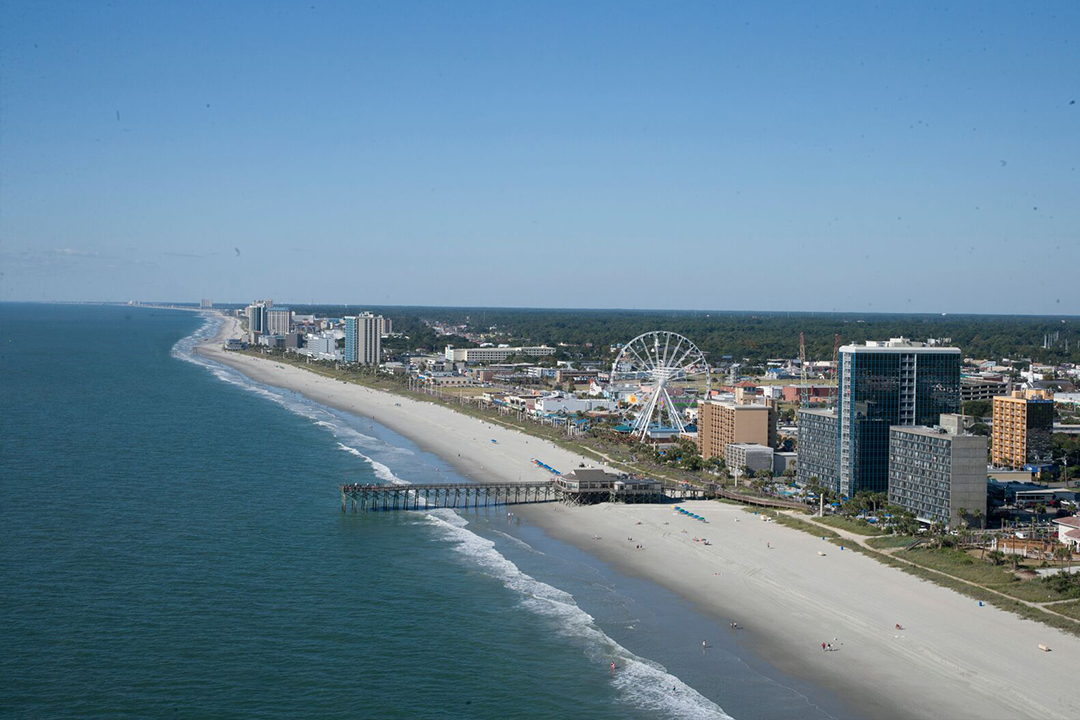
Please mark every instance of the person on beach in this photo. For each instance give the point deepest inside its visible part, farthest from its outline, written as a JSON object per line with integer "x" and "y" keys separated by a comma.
{"x": 822, "y": 647}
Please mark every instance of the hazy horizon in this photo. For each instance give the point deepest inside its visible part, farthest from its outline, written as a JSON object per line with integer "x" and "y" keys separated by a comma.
{"x": 361, "y": 306}
{"x": 837, "y": 158}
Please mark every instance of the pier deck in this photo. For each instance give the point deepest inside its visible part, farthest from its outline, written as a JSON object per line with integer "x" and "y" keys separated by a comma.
{"x": 445, "y": 495}
{"x": 475, "y": 495}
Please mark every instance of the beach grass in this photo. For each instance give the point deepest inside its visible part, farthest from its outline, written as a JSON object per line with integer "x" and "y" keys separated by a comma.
{"x": 960, "y": 564}
{"x": 887, "y": 542}
{"x": 1072, "y": 609}
{"x": 1038, "y": 590}
{"x": 793, "y": 522}
{"x": 845, "y": 523}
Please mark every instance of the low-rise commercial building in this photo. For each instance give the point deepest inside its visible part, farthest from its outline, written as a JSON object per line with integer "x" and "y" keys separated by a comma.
{"x": 488, "y": 355}
{"x": 784, "y": 461}
{"x": 552, "y": 404}
{"x": 935, "y": 474}
{"x": 1069, "y": 532}
{"x": 749, "y": 455}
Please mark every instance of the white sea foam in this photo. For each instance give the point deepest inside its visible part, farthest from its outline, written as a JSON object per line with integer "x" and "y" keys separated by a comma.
{"x": 381, "y": 471}
{"x": 320, "y": 416}
{"x": 643, "y": 683}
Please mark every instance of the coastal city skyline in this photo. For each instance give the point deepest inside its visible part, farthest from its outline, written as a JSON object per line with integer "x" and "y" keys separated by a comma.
{"x": 811, "y": 147}
{"x": 487, "y": 360}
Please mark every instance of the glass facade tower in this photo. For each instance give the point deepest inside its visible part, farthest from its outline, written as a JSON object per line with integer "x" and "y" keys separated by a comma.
{"x": 884, "y": 384}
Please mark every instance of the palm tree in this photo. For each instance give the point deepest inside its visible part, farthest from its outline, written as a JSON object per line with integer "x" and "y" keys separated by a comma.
{"x": 979, "y": 515}
{"x": 962, "y": 513}
{"x": 996, "y": 557}
{"x": 1063, "y": 553}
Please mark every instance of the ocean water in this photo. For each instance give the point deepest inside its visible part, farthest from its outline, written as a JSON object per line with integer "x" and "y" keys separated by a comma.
{"x": 171, "y": 545}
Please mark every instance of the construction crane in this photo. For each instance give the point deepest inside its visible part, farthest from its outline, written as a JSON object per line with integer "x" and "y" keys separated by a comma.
{"x": 833, "y": 399}
{"x": 804, "y": 390}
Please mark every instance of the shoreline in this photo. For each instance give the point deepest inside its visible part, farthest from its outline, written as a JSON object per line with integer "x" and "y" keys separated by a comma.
{"x": 954, "y": 659}
{"x": 462, "y": 441}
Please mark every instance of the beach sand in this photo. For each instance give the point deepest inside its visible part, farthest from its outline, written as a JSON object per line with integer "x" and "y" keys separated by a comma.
{"x": 953, "y": 659}
{"x": 461, "y": 440}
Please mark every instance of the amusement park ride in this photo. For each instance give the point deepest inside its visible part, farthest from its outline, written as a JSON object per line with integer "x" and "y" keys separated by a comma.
{"x": 662, "y": 362}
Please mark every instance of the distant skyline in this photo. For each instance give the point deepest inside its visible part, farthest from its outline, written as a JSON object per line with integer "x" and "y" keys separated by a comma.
{"x": 840, "y": 157}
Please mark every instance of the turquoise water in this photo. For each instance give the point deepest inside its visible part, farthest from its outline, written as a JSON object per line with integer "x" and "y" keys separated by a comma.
{"x": 173, "y": 546}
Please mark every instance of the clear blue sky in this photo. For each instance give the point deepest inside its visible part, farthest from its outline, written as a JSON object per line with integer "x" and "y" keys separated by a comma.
{"x": 801, "y": 156}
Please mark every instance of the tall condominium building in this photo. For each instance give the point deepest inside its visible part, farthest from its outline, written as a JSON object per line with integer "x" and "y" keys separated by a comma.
{"x": 278, "y": 321}
{"x": 882, "y": 384}
{"x": 818, "y": 441}
{"x": 935, "y": 474}
{"x": 487, "y": 355}
{"x": 256, "y": 317}
{"x": 1022, "y": 429}
{"x": 721, "y": 424}
{"x": 386, "y": 325}
{"x": 363, "y": 341}
{"x": 206, "y": 303}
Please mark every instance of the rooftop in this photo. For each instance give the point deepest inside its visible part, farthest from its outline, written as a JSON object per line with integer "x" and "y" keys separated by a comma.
{"x": 823, "y": 412}
{"x": 900, "y": 345}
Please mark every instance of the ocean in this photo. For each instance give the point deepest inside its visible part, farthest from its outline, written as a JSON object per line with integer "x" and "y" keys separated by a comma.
{"x": 173, "y": 546}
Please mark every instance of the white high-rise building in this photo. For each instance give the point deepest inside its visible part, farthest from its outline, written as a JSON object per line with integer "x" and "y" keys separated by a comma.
{"x": 363, "y": 339}
{"x": 278, "y": 321}
{"x": 256, "y": 317}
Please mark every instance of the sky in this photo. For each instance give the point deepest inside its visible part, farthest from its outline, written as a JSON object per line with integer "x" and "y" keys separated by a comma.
{"x": 870, "y": 157}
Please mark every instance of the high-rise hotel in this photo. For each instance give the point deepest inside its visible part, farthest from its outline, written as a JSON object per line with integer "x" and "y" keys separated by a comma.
{"x": 363, "y": 339}
{"x": 882, "y": 384}
{"x": 1023, "y": 429}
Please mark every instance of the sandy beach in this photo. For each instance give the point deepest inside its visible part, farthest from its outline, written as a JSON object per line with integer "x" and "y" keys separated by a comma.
{"x": 953, "y": 659}
{"x": 461, "y": 440}
{"x": 788, "y": 591}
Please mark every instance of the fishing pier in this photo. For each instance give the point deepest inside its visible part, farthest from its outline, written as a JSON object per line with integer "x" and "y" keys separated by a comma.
{"x": 576, "y": 488}
{"x": 445, "y": 495}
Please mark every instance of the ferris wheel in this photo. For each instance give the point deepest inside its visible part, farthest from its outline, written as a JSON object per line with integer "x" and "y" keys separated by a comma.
{"x": 664, "y": 363}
